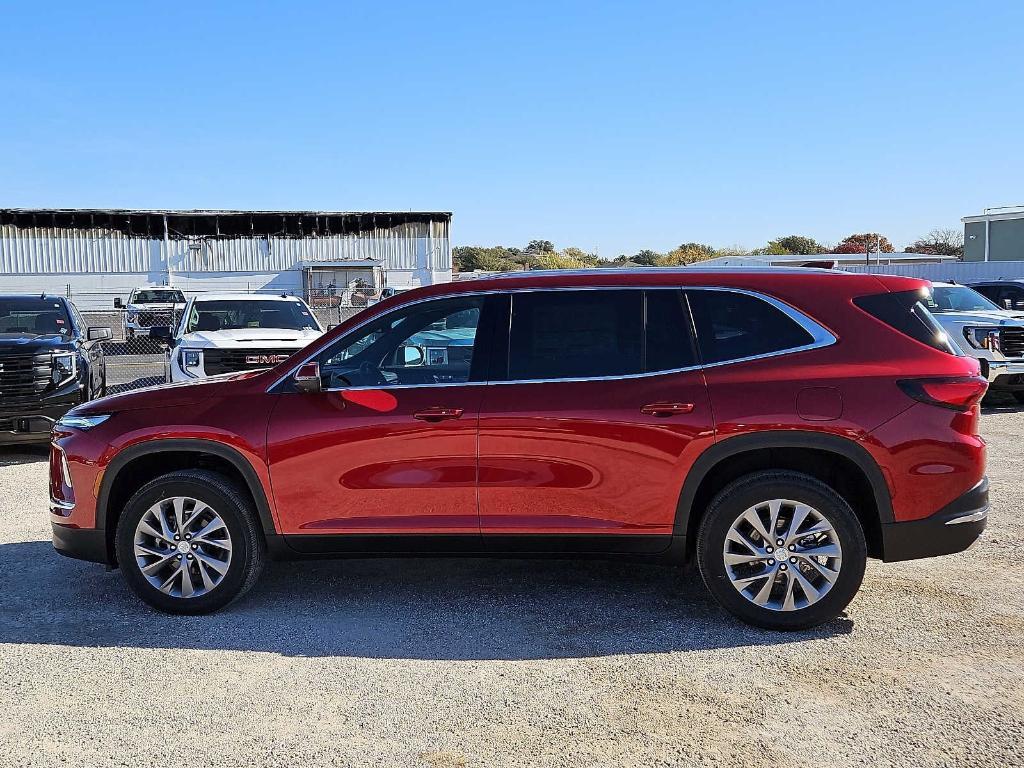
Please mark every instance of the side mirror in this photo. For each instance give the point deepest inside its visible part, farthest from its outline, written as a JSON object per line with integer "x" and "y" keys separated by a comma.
{"x": 412, "y": 356}
{"x": 99, "y": 334}
{"x": 160, "y": 332}
{"x": 307, "y": 377}
{"x": 118, "y": 304}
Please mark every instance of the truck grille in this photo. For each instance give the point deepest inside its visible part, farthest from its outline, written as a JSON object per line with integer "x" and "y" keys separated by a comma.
{"x": 229, "y": 360}
{"x": 24, "y": 377}
{"x": 157, "y": 318}
{"x": 1011, "y": 340}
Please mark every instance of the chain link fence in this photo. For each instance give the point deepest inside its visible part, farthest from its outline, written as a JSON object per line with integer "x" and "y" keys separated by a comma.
{"x": 137, "y": 351}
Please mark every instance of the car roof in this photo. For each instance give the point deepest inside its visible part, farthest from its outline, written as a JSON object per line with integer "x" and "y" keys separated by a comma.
{"x": 767, "y": 279}
{"x": 45, "y": 296}
{"x": 244, "y": 297}
{"x": 1014, "y": 280}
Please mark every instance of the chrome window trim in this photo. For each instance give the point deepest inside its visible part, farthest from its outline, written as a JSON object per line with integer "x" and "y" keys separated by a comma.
{"x": 821, "y": 336}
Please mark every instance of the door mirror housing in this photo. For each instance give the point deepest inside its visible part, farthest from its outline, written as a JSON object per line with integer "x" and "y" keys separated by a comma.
{"x": 307, "y": 377}
{"x": 160, "y": 332}
{"x": 118, "y": 304}
{"x": 97, "y": 333}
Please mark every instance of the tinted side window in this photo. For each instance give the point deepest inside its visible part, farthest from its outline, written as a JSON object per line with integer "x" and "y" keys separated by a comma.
{"x": 427, "y": 343}
{"x": 668, "y": 341}
{"x": 731, "y": 326}
{"x": 905, "y": 311}
{"x": 575, "y": 334}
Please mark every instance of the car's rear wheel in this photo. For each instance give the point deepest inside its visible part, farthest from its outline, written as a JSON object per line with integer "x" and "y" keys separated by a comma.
{"x": 781, "y": 550}
{"x": 190, "y": 542}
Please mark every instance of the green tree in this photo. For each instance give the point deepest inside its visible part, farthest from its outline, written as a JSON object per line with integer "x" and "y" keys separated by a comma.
{"x": 580, "y": 257}
{"x": 647, "y": 258}
{"x": 687, "y": 253}
{"x": 795, "y": 244}
{"x": 539, "y": 246}
{"x": 468, "y": 258}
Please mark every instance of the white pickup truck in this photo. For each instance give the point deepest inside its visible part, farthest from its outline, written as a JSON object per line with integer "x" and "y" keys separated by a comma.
{"x": 224, "y": 333}
{"x": 149, "y": 308}
{"x": 983, "y": 329}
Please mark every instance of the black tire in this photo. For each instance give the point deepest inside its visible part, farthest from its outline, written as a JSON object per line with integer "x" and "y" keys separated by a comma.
{"x": 759, "y": 487}
{"x": 235, "y": 508}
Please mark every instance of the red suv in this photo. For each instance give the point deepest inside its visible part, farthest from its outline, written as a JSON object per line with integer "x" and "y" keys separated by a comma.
{"x": 779, "y": 426}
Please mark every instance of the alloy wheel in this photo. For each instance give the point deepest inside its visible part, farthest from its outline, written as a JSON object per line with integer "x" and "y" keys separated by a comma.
{"x": 782, "y": 555}
{"x": 182, "y": 547}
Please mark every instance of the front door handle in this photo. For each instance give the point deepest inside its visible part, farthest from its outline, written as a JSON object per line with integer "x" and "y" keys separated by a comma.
{"x": 666, "y": 409}
{"x": 437, "y": 414}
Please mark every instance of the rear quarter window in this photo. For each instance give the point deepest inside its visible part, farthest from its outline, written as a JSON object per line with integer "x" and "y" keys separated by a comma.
{"x": 734, "y": 326}
{"x": 906, "y": 312}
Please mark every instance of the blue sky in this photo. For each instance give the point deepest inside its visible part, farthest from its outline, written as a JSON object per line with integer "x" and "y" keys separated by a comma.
{"x": 613, "y": 127}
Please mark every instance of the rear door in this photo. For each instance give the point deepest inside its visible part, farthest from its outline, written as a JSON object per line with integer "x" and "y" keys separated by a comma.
{"x": 593, "y": 415}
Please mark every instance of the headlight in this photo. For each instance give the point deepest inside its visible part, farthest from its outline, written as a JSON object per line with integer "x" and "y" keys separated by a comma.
{"x": 983, "y": 338}
{"x": 64, "y": 368}
{"x": 82, "y": 422}
{"x": 190, "y": 358}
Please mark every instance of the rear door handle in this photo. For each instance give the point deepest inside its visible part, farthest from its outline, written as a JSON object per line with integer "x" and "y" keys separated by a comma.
{"x": 666, "y": 409}
{"x": 437, "y": 414}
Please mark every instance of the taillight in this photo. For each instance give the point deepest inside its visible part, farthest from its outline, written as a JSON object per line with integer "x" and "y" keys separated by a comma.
{"x": 959, "y": 393}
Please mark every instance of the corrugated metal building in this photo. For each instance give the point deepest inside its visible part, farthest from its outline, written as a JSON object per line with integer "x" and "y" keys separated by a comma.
{"x": 96, "y": 254}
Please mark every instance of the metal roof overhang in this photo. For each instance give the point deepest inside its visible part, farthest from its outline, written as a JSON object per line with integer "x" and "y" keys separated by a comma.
{"x": 217, "y": 223}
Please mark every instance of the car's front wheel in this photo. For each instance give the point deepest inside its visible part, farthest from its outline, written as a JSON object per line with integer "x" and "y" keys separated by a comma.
{"x": 781, "y": 550}
{"x": 189, "y": 542}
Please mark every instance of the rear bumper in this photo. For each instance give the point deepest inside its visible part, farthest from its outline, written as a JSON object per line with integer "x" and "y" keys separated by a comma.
{"x": 952, "y": 529}
{"x": 81, "y": 543}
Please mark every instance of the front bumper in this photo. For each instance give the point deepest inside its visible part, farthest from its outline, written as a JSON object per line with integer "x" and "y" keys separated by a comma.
{"x": 80, "y": 543}
{"x": 1004, "y": 374}
{"x": 32, "y": 422}
{"x": 952, "y": 529}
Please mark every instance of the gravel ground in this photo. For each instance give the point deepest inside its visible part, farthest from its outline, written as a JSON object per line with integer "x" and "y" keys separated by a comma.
{"x": 479, "y": 663}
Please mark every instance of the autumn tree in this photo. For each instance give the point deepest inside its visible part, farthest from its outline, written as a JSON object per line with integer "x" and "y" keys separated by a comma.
{"x": 862, "y": 243}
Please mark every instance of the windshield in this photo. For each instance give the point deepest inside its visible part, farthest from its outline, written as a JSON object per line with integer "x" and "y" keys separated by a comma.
{"x": 34, "y": 316}
{"x": 231, "y": 315}
{"x": 958, "y": 298}
{"x": 157, "y": 297}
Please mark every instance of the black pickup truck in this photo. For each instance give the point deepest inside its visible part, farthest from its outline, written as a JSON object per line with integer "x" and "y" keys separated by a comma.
{"x": 50, "y": 360}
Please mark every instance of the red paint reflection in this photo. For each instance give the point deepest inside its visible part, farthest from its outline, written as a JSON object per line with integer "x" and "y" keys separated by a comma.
{"x": 374, "y": 399}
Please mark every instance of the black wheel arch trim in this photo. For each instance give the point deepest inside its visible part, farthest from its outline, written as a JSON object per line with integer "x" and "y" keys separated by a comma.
{"x": 186, "y": 445}
{"x": 733, "y": 446}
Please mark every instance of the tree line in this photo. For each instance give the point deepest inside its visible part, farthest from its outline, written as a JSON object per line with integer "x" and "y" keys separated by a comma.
{"x": 542, "y": 254}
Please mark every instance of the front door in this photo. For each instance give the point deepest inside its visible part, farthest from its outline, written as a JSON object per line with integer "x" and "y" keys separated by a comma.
{"x": 602, "y": 411}
{"x": 389, "y": 445}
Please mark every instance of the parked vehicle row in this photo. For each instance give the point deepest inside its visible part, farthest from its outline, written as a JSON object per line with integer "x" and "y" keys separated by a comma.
{"x": 777, "y": 426}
